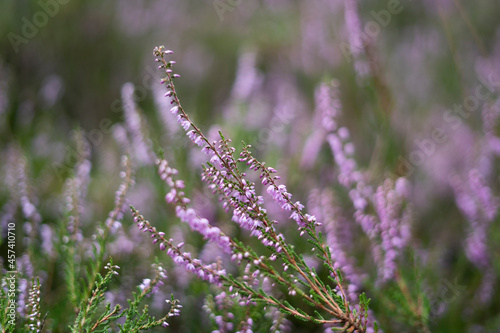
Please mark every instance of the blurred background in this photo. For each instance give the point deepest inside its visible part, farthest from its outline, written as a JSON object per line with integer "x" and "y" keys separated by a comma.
{"x": 251, "y": 69}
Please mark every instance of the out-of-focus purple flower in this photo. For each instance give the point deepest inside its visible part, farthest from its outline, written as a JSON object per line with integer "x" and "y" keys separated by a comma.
{"x": 26, "y": 271}
{"x": 491, "y": 118}
{"x": 477, "y": 203}
{"x": 279, "y": 321}
{"x": 141, "y": 146}
{"x": 145, "y": 284}
{"x": 52, "y": 90}
{"x": 388, "y": 229}
{"x": 337, "y": 230}
{"x": 356, "y": 42}
{"x": 115, "y": 215}
{"x": 246, "y": 81}
{"x": 47, "y": 235}
{"x": 28, "y": 206}
{"x": 394, "y": 218}
{"x": 162, "y": 103}
{"x": 119, "y": 133}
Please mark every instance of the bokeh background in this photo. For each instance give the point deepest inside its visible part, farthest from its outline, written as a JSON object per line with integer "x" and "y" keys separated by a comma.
{"x": 250, "y": 68}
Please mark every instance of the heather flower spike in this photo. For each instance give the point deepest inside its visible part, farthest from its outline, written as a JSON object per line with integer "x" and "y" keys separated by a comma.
{"x": 237, "y": 193}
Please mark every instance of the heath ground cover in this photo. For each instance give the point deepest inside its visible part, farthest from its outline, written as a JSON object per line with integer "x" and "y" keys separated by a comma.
{"x": 249, "y": 166}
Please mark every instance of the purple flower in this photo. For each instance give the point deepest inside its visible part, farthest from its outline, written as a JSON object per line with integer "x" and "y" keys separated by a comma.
{"x": 188, "y": 215}
{"x": 477, "y": 203}
{"x": 140, "y": 144}
{"x": 356, "y": 42}
{"x": 211, "y": 273}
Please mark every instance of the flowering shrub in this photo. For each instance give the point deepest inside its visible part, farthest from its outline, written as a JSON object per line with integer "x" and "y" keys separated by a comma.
{"x": 298, "y": 203}
{"x": 239, "y": 196}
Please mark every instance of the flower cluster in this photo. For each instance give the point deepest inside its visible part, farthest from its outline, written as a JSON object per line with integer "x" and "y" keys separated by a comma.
{"x": 238, "y": 195}
{"x": 76, "y": 187}
{"x": 34, "y": 316}
{"x": 389, "y": 227}
{"x": 114, "y": 217}
{"x": 478, "y": 204}
{"x": 211, "y": 273}
{"x": 134, "y": 124}
{"x": 153, "y": 285}
{"x": 221, "y": 172}
{"x": 279, "y": 192}
{"x": 394, "y": 222}
{"x": 322, "y": 204}
{"x": 188, "y": 215}
{"x": 175, "y": 310}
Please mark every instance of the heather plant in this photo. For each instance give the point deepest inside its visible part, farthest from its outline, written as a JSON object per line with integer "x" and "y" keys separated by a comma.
{"x": 239, "y": 196}
{"x": 85, "y": 285}
{"x": 387, "y": 228}
{"x": 340, "y": 171}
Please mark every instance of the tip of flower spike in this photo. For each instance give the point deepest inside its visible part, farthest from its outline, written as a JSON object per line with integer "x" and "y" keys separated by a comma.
{"x": 157, "y": 50}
